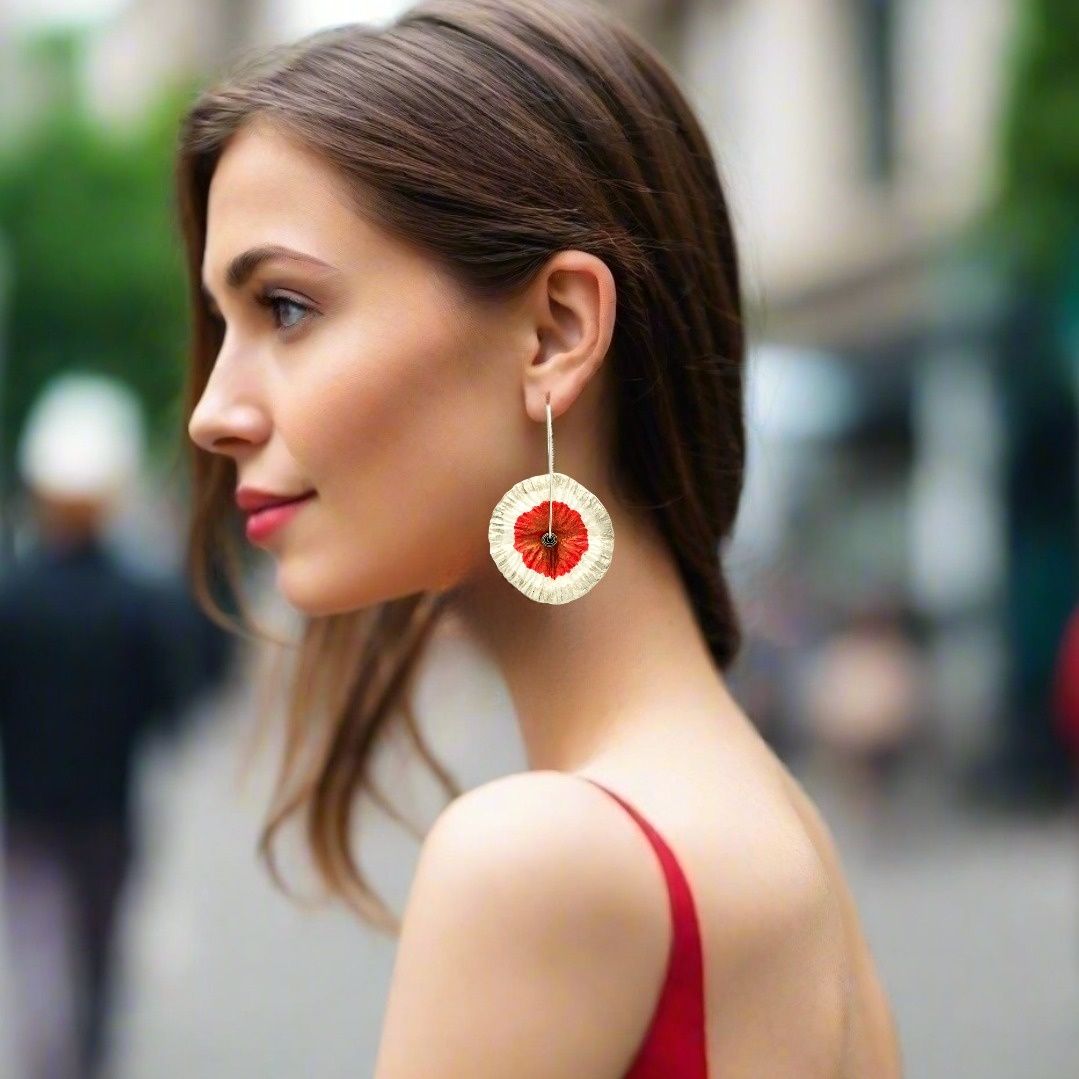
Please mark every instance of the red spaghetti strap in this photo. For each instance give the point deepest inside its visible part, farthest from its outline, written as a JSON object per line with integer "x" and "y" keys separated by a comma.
{"x": 675, "y": 1045}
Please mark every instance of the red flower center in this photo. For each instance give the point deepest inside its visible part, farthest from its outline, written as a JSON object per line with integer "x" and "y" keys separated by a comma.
{"x": 530, "y": 528}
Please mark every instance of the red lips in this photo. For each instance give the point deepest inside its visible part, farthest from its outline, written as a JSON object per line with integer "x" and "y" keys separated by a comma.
{"x": 250, "y": 499}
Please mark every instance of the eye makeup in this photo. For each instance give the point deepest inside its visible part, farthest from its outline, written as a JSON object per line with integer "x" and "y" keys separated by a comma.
{"x": 275, "y": 299}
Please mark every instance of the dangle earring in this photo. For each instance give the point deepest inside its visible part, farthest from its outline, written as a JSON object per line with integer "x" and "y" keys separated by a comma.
{"x": 553, "y": 549}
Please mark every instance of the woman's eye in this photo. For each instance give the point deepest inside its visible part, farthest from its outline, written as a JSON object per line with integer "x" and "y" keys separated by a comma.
{"x": 288, "y": 313}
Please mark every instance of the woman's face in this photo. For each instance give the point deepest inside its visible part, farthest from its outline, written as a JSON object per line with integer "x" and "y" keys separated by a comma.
{"x": 353, "y": 366}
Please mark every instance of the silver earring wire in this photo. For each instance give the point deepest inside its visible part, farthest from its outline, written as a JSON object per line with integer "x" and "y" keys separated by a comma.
{"x": 550, "y": 539}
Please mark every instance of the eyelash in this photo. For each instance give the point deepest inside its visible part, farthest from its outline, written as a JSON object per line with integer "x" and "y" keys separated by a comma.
{"x": 270, "y": 299}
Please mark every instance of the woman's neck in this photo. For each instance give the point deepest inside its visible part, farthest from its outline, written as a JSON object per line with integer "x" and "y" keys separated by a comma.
{"x": 590, "y": 677}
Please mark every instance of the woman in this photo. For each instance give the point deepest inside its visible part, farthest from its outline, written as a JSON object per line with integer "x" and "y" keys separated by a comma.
{"x": 407, "y": 247}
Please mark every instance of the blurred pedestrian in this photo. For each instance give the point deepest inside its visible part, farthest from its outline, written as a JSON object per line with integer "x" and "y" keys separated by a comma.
{"x": 867, "y": 696}
{"x": 86, "y": 663}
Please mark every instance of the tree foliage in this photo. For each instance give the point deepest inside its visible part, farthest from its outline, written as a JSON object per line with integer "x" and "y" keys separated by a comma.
{"x": 95, "y": 278}
{"x": 1040, "y": 190}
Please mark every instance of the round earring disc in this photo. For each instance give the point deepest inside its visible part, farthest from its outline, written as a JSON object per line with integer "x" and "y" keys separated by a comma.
{"x": 576, "y": 563}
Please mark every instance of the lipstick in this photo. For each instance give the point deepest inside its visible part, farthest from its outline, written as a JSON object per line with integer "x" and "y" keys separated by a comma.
{"x": 262, "y": 523}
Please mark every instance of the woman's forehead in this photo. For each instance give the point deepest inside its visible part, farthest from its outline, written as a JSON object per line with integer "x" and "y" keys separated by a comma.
{"x": 261, "y": 172}
{"x": 266, "y": 189}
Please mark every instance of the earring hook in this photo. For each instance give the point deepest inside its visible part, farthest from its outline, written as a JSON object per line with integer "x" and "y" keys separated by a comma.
{"x": 549, "y": 539}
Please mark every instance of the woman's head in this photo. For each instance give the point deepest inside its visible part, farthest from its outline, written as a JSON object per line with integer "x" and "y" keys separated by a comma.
{"x": 504, "y": 198}
{"x": 356, "y": 366}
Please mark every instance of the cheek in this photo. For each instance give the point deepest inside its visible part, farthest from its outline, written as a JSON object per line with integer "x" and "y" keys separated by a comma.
{"x": 371, "y": 404}
{"x": 393, "y": 429}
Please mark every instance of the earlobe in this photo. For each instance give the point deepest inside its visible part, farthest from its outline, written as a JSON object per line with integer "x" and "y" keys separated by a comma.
{"x": 575, "y": 312}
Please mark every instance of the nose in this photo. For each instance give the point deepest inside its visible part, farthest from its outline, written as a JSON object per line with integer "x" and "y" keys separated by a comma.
{"x": 227, "y": 422}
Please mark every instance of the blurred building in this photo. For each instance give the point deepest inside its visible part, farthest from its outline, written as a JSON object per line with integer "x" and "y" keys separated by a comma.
{"x": 897, "y": 394}
{"x": 859, "y": 144}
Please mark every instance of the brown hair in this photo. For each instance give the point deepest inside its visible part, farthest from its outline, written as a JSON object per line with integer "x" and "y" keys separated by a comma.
{"x": 493, "y": 133}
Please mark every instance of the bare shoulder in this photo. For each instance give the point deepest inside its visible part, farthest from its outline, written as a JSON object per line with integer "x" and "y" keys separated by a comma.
{"x": 541, "y": 802}
{"x": 526, "y": 938}
{"x": 874, "y": 1033}
{"x": 541, "y": 826}
{"x": 769, "y": 875}
{"x": 778, "y": 873}
{"x": 794, "y": 922}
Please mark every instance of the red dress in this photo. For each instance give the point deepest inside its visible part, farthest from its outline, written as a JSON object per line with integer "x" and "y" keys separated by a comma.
{"x": 674, "y": 1045}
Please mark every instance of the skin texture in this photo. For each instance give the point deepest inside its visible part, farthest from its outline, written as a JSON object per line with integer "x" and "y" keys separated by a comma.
{"x": 410, "y": 408}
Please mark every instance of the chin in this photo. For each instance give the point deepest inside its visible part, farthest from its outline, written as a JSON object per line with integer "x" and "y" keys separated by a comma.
{"x": 319, "y": 596}
{"x": 310, "y": 593}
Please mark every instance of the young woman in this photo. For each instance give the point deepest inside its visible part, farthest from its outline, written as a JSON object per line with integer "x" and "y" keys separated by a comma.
{"x": 417, "y": 252}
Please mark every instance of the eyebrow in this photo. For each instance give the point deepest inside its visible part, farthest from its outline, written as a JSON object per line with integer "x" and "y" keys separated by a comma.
{"x": 241, "y": 268}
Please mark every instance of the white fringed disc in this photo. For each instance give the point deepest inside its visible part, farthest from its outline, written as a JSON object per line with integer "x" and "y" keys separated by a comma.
{"x": 585, "y": 538}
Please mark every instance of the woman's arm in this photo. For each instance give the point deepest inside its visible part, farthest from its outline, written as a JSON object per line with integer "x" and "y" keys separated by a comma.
{"x": 533, "y": 943}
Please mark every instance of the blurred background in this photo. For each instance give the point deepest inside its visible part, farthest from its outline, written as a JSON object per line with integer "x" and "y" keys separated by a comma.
{"x": 905, "y": 183}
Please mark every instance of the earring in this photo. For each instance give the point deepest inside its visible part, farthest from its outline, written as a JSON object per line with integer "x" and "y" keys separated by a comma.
{"x": 556, "y": 548}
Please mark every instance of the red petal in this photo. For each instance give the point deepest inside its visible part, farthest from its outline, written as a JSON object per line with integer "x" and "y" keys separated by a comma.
{"x": 568, "y": 526}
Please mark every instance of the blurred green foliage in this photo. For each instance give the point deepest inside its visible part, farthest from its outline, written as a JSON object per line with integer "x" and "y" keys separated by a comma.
{"x": 1040, "y": 188}
{"x": 89, "y": 232}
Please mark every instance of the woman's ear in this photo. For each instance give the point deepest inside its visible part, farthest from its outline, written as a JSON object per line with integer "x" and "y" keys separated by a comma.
{"x": 573, "y": 304}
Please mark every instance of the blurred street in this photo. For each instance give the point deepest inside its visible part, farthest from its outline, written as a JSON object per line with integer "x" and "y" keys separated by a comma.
{"x": 975, "y": 926}
{"x": 975, "y": 923}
